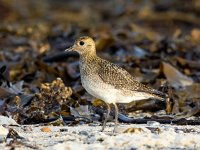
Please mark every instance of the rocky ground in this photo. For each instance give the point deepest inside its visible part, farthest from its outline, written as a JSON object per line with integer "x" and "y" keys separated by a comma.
{"x": 157, "y": 42}
{"x": 129, "y": 136}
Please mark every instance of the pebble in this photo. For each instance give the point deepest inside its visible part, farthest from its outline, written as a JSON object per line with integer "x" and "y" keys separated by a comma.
{"x": 63, "y": 130}
{"x": 45, "y": 129}
{"x": 91, "y": 140}
{"x": 83, "y": 133}
{"x": 3, "y": 131}
{"x": 153, "y": 123}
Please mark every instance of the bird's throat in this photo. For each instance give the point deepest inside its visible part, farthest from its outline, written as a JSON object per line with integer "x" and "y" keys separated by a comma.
{"x": 88, "y": 57}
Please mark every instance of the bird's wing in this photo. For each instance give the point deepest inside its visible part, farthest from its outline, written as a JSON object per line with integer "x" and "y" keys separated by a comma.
{"x": 119, "y": 78}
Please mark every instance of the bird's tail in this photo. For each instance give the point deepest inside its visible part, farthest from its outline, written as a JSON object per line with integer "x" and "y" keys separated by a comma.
{"x": 156, "y": 94}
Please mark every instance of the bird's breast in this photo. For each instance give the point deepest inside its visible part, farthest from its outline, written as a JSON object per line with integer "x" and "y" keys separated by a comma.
{"x": 94, "y": 85}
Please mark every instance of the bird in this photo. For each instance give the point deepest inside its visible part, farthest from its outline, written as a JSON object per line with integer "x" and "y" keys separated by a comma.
{"x": 107, "y": 81}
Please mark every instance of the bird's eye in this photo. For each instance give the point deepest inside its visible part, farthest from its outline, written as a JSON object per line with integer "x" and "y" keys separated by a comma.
{"x": 81, "y": 43}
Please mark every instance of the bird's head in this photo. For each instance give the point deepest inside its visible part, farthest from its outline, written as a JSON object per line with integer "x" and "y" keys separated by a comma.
{"x": 83, "y": 45}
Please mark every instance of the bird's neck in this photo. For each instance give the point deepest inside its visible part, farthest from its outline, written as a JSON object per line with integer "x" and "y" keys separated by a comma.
{"x": 87, "y": 64}
{"x": 87, "y": 57}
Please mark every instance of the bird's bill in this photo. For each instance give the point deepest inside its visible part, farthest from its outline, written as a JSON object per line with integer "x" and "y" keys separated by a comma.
{"x": 69, "y": 49}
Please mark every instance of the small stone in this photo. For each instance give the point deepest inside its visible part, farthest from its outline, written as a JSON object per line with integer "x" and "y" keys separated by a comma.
{"x": 100, "y": 139}
{"x": 28, "y": 128}
{"x": 3, "y": 131}
{"x": 45, "y": 129}
{"x": 91, "y": 140}
{"x": 83, "y": 133}
{"x": 3, "y": 134}
{"x": 63, "y": 130}
{"x": 180, "y": 131}
{"x": 153, "y": 123}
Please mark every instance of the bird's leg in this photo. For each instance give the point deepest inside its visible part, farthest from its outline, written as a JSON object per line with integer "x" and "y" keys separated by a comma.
{"x": 107, "y": 116}
{"x": 116, "y": 116}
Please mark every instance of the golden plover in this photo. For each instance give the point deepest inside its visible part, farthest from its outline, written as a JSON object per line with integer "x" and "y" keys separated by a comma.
{"x": 107, "y": 81}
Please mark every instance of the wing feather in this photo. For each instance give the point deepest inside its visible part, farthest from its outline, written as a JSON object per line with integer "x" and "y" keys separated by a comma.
{"x": 110, "y": 72}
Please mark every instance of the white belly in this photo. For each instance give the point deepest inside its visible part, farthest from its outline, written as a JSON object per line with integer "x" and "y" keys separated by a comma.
{"x": 100, "y": 90}
{"x": 109, "y": 94}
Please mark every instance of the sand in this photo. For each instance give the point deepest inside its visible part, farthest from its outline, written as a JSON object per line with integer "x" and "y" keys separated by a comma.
{"x": 89, "y": 137}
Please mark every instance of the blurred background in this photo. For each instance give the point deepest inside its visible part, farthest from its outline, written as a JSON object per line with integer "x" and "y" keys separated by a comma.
{"x": 155, "y": 40}
{"x": 129, "y": 20}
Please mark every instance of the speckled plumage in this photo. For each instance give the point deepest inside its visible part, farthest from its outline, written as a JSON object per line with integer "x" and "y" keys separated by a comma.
{"x": 107, "y": 81}
{"x": 108, "y": 76}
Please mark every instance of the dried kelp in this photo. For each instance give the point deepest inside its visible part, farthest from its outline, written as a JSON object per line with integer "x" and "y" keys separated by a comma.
{"x": 157, "y": 42}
